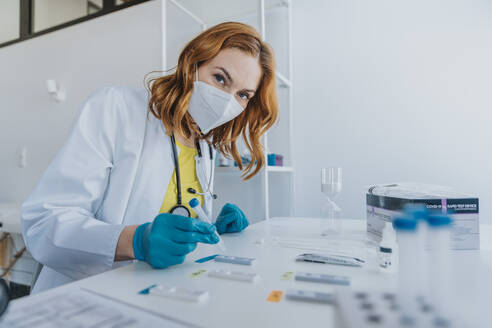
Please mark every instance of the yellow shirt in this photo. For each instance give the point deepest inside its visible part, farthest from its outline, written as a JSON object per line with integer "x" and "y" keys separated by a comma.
{"x": 189, "y": 179}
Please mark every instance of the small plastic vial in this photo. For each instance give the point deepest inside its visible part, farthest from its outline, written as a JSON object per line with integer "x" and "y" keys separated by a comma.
{"x": 440, "y": 268}
{"x": 387, "y": 249}
{"x": 420, "y": 213}
{"x": 406, "y": 230}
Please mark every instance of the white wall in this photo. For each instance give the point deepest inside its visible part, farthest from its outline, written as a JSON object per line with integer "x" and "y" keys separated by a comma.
{"x": 392, "y": 91}
{"x": 9, "y": 20}
{"x": 180, "y": 29}
{"x": 49, "y": 13}
{"x": 116, "y": 49}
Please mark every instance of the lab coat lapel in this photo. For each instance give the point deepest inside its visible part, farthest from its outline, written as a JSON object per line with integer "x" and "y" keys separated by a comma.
{"x": 155, "y": 171}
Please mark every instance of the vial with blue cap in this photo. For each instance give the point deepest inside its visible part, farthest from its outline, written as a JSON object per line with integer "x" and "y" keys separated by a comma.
{"x": 440, "y": 268}
{"x": 195, "y": 205}
{"x": 406, "y": 230}
{"x": 420, "y": 213}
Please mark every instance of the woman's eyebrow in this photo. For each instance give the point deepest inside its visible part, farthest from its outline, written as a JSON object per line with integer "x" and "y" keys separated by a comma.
{"x": 226, "y": 73}
{"x": 248, "y": 91}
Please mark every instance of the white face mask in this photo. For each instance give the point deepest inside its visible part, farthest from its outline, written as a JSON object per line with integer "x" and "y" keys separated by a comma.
{"x": 211, "y": 107}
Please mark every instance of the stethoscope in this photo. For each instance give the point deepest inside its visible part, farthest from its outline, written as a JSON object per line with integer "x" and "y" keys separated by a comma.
{"x": 179, "y": 208}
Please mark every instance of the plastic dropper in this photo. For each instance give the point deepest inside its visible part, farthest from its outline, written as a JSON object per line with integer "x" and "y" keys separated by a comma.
{"x": 195, "y": 205}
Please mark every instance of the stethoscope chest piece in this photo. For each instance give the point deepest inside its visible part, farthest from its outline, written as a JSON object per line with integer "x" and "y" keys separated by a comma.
{"x": 180, "y": 210}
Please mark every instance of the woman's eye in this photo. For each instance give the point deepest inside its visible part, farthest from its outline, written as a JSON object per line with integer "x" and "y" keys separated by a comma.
{"x": 219, "y": 78}
{"x": 244, "y": 96}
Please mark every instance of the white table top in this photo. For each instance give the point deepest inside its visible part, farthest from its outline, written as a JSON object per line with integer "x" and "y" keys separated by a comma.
{"x": 232, "y": 303}
{"x": 241, "y": 304}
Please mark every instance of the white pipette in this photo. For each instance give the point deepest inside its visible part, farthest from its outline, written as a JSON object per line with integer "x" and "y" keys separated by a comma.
{"x": 195, "y": 205}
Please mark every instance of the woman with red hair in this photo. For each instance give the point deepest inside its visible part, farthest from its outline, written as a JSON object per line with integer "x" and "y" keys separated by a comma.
{"x": 119, "y": 188}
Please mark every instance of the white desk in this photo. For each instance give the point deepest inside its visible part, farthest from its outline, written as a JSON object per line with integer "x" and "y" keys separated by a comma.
{"x": 241, "y": 304}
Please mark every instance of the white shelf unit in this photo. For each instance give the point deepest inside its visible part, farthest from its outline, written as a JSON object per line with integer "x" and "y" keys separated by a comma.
{"x": 207, "y": 13}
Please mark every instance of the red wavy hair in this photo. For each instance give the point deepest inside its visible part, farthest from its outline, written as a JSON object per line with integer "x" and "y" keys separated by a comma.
{"x": 170, "y": 94}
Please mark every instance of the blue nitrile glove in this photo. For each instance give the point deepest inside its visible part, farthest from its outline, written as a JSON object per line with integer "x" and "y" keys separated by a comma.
{"x": 231, "y": 219}
{"x": 167, "y": 240}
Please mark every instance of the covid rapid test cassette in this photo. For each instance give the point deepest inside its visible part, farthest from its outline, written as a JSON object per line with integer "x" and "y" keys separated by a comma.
{"x": 234, "y": 275}
{"x": 179, "y": 293}
{"x": 330, "y": 259}
{"x": 235, "y": 260}
{"x": 323, "y": 278}
{"x": 310, "y": 296}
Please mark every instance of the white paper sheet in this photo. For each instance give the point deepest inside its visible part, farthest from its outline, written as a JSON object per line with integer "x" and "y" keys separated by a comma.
{"x": 79, "y": 308}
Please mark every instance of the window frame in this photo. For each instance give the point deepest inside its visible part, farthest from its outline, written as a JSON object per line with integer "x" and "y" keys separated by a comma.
{"x": 27, "y": 15}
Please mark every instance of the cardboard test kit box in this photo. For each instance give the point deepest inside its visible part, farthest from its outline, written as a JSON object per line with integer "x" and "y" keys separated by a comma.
{"x": 385, "y": 202}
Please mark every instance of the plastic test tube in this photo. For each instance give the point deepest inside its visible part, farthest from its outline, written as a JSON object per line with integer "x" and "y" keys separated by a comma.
{"x": 420, "y": 213}
{"x": 195, "y": 205}
{"x": 440, "y": 267}
{"x": 407, "y": 238}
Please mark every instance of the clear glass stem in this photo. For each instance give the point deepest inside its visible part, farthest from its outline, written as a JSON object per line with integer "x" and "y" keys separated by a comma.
{"x": 332, "y": 212}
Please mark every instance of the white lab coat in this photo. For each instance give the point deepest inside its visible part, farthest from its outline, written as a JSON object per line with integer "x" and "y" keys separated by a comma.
{"x": 113, "y": 171}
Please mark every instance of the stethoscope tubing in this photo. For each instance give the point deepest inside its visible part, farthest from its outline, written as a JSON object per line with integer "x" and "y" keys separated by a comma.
{"x": 178, "y": 175}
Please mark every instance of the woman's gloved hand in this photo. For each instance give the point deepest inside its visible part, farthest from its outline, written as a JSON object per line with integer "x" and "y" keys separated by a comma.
{"x": 166, "y": 240}
{"x": 231, "y": 219}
